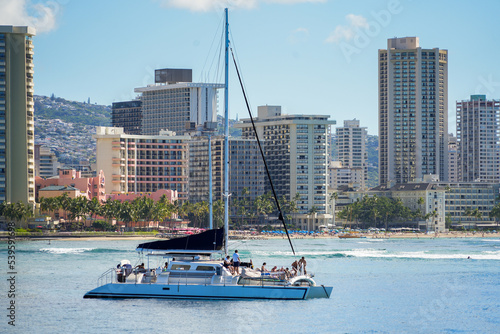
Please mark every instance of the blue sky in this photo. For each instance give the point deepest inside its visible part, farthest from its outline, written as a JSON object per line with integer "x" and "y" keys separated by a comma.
{"x": 309, "y": 56}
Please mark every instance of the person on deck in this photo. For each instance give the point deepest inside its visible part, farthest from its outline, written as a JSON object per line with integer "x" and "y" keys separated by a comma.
{"x": 227, "y": 263}
{"x": 140, "y": 268}
{"x": 236, "y": 262}
{"x": 263, "y": 268}
{"x": 302, "y": 265}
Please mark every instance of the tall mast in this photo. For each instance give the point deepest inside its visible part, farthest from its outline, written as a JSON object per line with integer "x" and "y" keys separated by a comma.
{"x": 226, "y": 139}
{"x": 210, "y": 201}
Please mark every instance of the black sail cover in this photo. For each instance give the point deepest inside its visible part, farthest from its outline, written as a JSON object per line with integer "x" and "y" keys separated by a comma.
{"x": 211, "y": 240}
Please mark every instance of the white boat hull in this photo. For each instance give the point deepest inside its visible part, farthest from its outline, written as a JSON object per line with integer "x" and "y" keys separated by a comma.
{"x": 208, "y": 292}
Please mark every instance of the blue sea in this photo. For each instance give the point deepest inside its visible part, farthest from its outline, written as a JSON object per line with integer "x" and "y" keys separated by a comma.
{"x": 380, "y": 286}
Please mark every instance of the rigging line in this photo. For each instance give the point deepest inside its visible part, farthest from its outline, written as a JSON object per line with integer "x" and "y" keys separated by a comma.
{"x": 262, "y": 154}
{"x": 238, "y": 62}
{"x": 210, "y": 50}
{"x": 218, "y": 73}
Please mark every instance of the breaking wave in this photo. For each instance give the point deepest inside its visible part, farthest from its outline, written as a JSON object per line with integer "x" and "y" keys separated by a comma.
{"x": 383, "y": 253}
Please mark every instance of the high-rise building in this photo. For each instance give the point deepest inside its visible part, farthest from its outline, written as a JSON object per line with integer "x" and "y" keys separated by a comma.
{"x": 174, "y": 103}
{"x": 339, "y": 176}
{"x": 246, "y": 168}
{"x": 127, "y": 115}
{"x": 453, "y": 172}
{"x": 296, "y": 153}
{"x": 46, "y": 163}
{"x": 17, "y": 143}
{"x": 413, "y": 111}
{"x": 137, "y": 163}
{"x": 478, "y": 126}
{"x": 351, "y": 146}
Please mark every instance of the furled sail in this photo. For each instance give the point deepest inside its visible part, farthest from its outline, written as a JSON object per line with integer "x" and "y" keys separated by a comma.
{"x": 210, "y": 241}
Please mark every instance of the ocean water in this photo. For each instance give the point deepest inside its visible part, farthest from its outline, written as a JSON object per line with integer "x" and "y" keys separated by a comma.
{"x": 380, "y": 286}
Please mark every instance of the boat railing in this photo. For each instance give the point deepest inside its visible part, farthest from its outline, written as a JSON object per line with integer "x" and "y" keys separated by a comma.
{"x": 191, "y": 278}
{"x": 109, "y": 276}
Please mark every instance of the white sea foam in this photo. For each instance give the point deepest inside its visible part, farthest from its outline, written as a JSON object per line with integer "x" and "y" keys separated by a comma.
{"x": 65, "y": 250}
{"x": 382, "y": 253}
{"x": 488, "y": 255}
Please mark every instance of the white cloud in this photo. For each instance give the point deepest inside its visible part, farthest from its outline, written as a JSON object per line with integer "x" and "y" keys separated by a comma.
{"x": 348, "y": 32}
{"x": 209, "y": 5}
{"x": 42, "y": 16}
{"x": 299, "y": 35}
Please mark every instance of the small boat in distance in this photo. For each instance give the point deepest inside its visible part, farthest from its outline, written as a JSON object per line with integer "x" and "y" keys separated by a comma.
{"x": 350, "y": 235}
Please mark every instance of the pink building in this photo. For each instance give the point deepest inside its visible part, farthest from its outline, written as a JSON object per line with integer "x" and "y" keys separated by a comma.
{"x": 168, "y": 224}
{"x": 89, "y": 186}
{"x": 171, "y": 195}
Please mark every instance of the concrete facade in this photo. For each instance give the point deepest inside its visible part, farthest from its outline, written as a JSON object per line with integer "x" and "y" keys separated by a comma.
{"x": 17, "y": 143}
{"x": 177, "y": 106}
{"x": 471, "y": 195}
{"x": 432, "y": 195}
{"x": 296, "y": 151}
{"x": 453, "y": 166}
{"x": 351, "y": 145}
{"x": 478, "y": 127}
{"x": 91, "y": 187}
{"x": 137, "y": 163}
{"x": 246, "y": 168}
{"x": 413, "y": 111}
{"x": 341, "y": 176}
{"x": 46, "y": 164}
{"x": 127, "y": 115}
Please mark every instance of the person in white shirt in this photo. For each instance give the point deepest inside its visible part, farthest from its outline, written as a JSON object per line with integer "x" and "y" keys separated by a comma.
{"x": 236, "y": 262}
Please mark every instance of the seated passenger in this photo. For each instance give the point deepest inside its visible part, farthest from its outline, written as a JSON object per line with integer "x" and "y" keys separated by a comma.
{"x": 263, "y": 268}
{"x": 140, "y": 268}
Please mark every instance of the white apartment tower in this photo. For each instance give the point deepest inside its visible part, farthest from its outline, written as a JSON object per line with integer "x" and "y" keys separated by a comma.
{"x": 453, "y": 172}
{"x": 174, "y": 103}
{"x": 296, "y": 151}
{"x": 413, "y": 111}
{"x": 478, "y": 139}
{"x": 351, "y": 145}
{"x": 17, "y": 143}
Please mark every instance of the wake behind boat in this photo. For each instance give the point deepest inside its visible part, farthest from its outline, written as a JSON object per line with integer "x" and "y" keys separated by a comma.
{"x": 191, "y": 272}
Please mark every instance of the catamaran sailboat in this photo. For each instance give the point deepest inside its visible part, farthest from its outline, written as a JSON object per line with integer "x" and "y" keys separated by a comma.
{"x": 194, "y": 268}
{"x": 191, "y": 273}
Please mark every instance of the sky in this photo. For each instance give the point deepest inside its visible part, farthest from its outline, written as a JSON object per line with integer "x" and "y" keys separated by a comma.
{"x": 308, "y": 56}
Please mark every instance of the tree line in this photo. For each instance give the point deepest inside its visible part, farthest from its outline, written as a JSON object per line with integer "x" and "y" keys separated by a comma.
{"x": 380, "y": 211}
{"x": 142, "y": 210}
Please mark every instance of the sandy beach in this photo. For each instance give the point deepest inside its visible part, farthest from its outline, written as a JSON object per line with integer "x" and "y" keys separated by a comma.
{"x": 240, "y": 235}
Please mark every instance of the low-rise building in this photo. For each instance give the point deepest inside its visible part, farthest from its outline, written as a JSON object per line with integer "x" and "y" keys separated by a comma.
{"x": 89, "y": 186}
{"x": 464, "y": 198}
{"x": 427, "y": 197}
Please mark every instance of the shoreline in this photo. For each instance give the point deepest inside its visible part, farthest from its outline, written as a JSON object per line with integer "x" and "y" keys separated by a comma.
{"x": 247, "y": 236}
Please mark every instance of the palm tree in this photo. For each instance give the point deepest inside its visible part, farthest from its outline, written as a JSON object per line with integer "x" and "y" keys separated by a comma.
{"x": 263, "y": 205}
{"x": 94, "y": 207}
{"x": 18, "y": 212}
{"x": 218, "y": 212}
{"x": 312, "y": 213}
{"x": 495, "y": 213}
